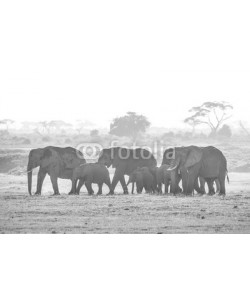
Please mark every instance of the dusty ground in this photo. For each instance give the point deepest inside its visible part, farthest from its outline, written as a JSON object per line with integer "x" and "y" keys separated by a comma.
{"x": 20, "y": 213}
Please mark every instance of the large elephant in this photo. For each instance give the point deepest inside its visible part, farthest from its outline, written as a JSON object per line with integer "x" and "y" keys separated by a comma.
{"x": 55, "y": 161}
{"x": 192, "y": 162}
{"x": 125, "y": 161}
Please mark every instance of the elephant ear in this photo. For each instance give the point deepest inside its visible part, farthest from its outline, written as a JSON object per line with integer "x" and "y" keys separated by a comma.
{"x": 47, "y": 153}
{"x": 193, "y": 158}
{"x": 49, "y": 157}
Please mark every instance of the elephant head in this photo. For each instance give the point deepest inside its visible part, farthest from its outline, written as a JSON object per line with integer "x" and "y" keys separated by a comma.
{"x": 181, "y": 159}
{"x": 35, "y": 157}
{"x": 105, "y": 157}
{"x": 41, "y": 158}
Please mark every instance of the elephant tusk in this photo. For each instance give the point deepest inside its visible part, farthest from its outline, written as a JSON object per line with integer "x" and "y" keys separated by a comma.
{"x": 171, "y": 169}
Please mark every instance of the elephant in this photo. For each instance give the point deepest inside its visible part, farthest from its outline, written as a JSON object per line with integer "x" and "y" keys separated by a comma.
{"x": 192, "y": 162}
{"x": 56, "y": 161}
{"x": 90, "y": 173}
{"x": 125, "y": 161}
{"x": 144, "y": 179}
{"x": 163, "y": 176}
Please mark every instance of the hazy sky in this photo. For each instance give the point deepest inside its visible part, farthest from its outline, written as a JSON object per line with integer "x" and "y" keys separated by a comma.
{"x": 96, "y": 60}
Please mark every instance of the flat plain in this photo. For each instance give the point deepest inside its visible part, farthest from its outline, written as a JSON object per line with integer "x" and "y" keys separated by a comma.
{"x": 144, "y": 213}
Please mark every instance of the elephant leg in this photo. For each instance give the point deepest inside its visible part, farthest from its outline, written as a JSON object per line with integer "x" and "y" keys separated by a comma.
{"x": 71, "y": 191}
{"x": 191, "y": 179}
{"x": 222, "y": 178}
{"x": 115, "y": 180}
{"x": 202, "y": 185}
{"x": 40, "y": 178}
{"x": 139, "y": 191}
{"x": 174, "y": 182}
{"x": 80, "y": 184}
{"x": 88, "y": 185}
{"x": 210, "y": 183}
{"x": 123, "y": 183}
{"x": 99, "y": 189}
{"x": 73, "y": 188}
{"x": 133, "y": 188}
{"x": 167, "y": 184}
{"x": 108, "y": 183}
{"x": 198, "y": 188}
{"x": 159, "y": 188}
{"x": 54, "y": 182}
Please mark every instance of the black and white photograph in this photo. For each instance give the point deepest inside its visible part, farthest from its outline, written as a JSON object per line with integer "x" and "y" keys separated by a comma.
{"x": 124, "y": 149}
{"x": 124, "y": 118}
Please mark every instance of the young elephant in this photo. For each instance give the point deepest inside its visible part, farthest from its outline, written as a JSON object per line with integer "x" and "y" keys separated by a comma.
{"x": 143, "y": 179}
{"x": 163, "y": 176}
{"x": 90, "y": 173}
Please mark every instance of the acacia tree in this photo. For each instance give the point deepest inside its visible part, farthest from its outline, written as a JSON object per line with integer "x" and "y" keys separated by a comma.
{"x": 211, "y": 113}
{"x": 129, "y": 125}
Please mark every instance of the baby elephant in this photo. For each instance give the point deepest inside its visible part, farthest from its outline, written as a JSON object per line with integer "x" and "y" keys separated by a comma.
{"x": 163, "y": 176}
{"x": 143, "y": 179}
{"x": 90, "y": 173}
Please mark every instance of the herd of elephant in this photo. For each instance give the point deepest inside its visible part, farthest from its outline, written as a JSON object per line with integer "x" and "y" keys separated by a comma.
{"x": 192, "y": 166}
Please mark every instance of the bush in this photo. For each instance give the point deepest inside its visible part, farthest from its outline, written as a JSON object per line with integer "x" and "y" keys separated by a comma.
{"x": 68, "y": 141}
{"x": 46, "y": 139}
{"x": 26, "y": 141}
{"x": 94, "y": 132}
{"x": 225, "y": 132}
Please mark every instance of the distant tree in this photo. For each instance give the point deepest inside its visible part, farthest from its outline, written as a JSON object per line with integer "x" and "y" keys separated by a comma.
{"x": 27, "y": 126}
{"x": 212, "y": 113}
{"x": 7, "y": 123}
{"x": 129, "y": 125}
{"x": 44, "y": 125}
{"x": 59, "y": 125}
{"x": 193, "y": 122}
{"x": 225, "y": 131}
{"x": 94, "y": 132}
{"x": 81, "y": 125}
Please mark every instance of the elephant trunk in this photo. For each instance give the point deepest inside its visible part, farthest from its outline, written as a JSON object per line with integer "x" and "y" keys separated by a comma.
{"x": 29, "y": 174}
